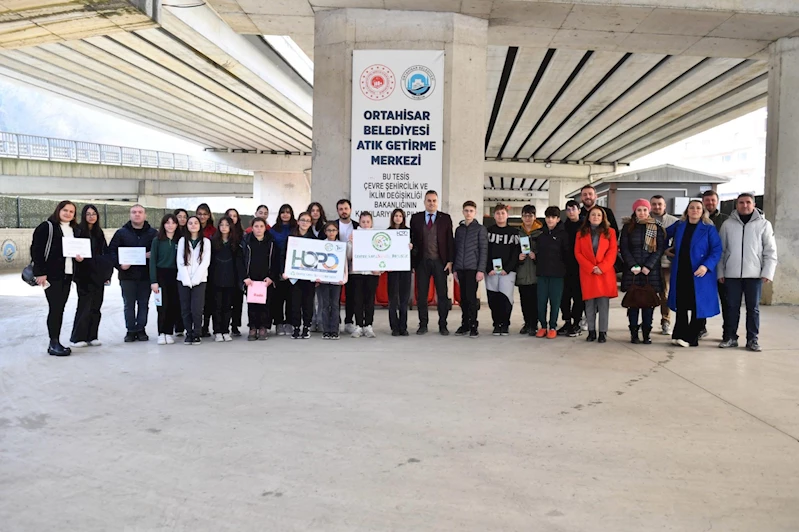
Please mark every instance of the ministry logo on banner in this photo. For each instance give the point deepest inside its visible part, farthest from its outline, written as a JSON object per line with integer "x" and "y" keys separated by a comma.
{"x": 377, "y": 82}
{"x": 418, "y": 82}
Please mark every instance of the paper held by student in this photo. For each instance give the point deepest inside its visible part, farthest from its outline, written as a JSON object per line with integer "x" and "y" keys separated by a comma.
{"x": 74, "y": 247}
{"x": 256, "y": 292}
{"x": 132, "y": 256}
{"x": 381, "y": 250}
{"x": 497, "y": 265}
{"x": 525, "y": 243}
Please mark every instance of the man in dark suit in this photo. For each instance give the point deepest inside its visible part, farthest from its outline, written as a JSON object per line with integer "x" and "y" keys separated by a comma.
{"x": 433, "y": 253}
{"x": 346, "y": 225}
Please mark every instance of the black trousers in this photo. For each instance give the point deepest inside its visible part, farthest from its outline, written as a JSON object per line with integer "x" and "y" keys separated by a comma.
{"x": 192, "y": 303}
{"x": 364, "y": 288}
{"x": 57, "y": 296}
{"x": 467, "y": 279}
{"x": 281, "y": 303}
{"x": 209, "y": 306}
{"x": 349, "y": 303}
{"x": 87, "y": 315}
{"x": 399, "y": 294}
{"x": 238, "y": 308}
{"x": 725, "y": 313}
{"x": 685, "y": 329}
{"x": 572, "y": 305}
{"x": 169, "y": 315}
{"x": 426, "y": 269}
{"x": 302, "y": 294}
{"x": 223, "y": 308}
{"x": 529, "y": 301}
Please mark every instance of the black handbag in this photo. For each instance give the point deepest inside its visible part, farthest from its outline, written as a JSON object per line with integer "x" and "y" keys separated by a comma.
{"x": 27, "y": 272}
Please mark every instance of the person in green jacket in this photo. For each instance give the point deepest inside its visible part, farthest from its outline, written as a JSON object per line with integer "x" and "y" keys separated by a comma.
{"x": 164, "y": 278}
{"x": 526, "y": 279}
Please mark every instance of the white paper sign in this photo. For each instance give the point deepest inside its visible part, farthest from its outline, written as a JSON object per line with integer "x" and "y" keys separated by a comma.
{"x": 381, "y": 251}
{"x": 311, "y": 259}
{"x": 132, "y": 256}
{"x": 497, "y": 265}
{"x": 73, "y": 247}
{"x": 158, "y": 297}
{"x": 397, "y": 130}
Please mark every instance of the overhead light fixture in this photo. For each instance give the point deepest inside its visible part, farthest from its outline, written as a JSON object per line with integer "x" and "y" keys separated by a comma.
{"x": 547, "y": 165}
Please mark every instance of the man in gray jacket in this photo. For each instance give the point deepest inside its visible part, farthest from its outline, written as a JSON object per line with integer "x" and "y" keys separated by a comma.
{"x": 471, "y": 258}
{"x": 664, "y": 220}
{"x": 749, "y": 260}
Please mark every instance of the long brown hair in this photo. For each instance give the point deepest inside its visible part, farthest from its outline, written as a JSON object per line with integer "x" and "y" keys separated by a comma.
{"x": 187, "y": 243}
{"x": 233, "y": 236}
{"x": 56, "y": 216}
{"x": 403, "y": 225}
{"x": 604, "y": 227}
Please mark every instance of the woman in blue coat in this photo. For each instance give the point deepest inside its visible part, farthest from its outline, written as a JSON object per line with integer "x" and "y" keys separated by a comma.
{"x": 697, "y": 251}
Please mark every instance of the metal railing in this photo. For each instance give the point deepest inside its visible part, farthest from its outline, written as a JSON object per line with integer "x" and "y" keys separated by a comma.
{"x": 21, "y": 146}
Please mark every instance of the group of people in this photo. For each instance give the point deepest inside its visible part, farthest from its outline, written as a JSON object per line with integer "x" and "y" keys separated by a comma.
{"x": 200, "y": 271}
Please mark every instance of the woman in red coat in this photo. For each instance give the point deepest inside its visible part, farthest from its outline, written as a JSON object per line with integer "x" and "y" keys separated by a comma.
{"x": 595, "y": 250}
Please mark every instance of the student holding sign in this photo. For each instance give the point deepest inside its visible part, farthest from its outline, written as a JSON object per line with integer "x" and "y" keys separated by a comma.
{"x": 399, "y": 286}
{"x": 330, "y": 292}
{"x": 164, "y": 278}
{"x": 503, "y": 257}
{"x": 302, "y": 290}
{"x": 260, "y": 271}
{"x": 526, "y": 279}
{"x": 364, "y": 288}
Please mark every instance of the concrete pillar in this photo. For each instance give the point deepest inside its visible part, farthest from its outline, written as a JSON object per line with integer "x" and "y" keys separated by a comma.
{"x": 782, "y": 169}
{"x": 273, "y": 189}
{"x": 157, "y": 202}
{"x": 340, "y": 31}
{"x": 558, "y": 188}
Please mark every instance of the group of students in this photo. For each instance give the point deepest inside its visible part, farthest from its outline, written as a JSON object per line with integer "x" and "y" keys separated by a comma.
{"x": 200, "y": 271}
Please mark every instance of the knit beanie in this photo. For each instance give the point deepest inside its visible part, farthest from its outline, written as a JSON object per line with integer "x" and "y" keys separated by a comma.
{"x": 641, "y": 203}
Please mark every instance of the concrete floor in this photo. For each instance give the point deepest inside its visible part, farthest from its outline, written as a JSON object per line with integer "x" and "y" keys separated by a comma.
{"x": 406, "y": 434}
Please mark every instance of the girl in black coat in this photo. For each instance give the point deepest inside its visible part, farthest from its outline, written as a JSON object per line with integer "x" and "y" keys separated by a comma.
{"x": 53, "y": 272}
{"x": 91, "y": 275}
{"x": 226, "y": 265}
{"x": 643, "y": 242}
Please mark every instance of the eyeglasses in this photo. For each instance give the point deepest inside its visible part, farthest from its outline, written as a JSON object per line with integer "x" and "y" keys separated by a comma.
{"x": 90, "y": 214}
{"x": 331, "y": 231}
{"x": 527, "y": 215}
{"x": 304, "y": 220}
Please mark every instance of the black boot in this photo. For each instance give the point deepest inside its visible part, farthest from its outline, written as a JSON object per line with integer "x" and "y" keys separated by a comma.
{"x": 603, "y": 337}
{"x": 634, "y": 335}
{"x": 591, "y": 336}
{"x": 645, "y": 331}
{"x": 58, "y": 350}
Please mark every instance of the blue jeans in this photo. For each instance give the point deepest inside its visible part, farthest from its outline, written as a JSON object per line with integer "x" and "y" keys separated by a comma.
{"x": 136, "y": 298}
{"x": 646, "y": 317}
{"x": 738, "y": 289}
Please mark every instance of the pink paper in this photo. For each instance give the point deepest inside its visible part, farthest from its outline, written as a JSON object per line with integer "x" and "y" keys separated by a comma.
{"x": 256, "y": 292}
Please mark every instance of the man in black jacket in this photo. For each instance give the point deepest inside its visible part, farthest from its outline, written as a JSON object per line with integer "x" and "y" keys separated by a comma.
{"x": 134, "y": 280}
{"x": 571, "y": 305}
{"x": 588, "y": 197}
{"x": 471, "y": 259}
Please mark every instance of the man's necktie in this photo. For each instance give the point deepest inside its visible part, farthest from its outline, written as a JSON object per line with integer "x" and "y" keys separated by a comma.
{"x": 429, "y": 221}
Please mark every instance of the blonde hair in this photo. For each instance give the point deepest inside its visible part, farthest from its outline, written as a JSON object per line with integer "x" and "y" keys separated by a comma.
{"x": 705, "y": 216}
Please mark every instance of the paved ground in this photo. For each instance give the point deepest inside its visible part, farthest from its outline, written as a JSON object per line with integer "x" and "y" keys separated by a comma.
{"x": 406, "y": 434}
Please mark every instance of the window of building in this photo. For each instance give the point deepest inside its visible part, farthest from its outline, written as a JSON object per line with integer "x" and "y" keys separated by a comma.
{"x": 726, "y": 158}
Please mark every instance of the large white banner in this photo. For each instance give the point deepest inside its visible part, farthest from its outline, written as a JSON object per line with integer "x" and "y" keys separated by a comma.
{"x": 381, "y": 251}
{"x": 397, "y": 130}
{"x": 311, "y": 259}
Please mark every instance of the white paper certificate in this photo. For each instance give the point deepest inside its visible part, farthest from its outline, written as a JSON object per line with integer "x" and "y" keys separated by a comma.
{"x": 132, "y": 256}
{"x": 77, "y": 246}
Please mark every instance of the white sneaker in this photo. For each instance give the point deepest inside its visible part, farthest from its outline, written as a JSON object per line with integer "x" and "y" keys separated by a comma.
{"x": 368, "y": 332}
{"x": 357, "y": 332}
{"x": 281, "y": 329}
{"x": 583, "y": 324}
{"x": 95, "y": 343}
{"x": 78, "y": 344}
{"x": 682, "y": 343}
{"x": 169, "y": 339}
{"x": 227, "y": 338}
{"x": 350, "y": 328}
{"x": 218, "y": 338}
{"x": 161, "y": 339}
{"x": 665, "y": 329}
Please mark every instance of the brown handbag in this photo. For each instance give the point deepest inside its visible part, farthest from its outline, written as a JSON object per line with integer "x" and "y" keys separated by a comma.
{"x": 641, "y": 297}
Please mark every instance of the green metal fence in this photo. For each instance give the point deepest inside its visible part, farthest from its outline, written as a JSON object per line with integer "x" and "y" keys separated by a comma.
{"x": 17, "y": 212}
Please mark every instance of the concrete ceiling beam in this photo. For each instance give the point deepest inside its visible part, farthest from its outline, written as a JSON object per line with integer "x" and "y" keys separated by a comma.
{"x": 530, "y": 170}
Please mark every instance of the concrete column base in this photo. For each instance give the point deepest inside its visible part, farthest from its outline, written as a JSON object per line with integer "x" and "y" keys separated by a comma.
{"x": 274, "y": 189}
{"x": 782, "y": 169}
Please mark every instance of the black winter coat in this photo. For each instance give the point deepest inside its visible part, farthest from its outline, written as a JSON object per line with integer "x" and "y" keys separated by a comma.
{"x": 274, "y": 270}
{"x": 553, "y": 252}
{"x": 572, "y": 228}
{"x": 471, "y": 247}
{"x": 98, "y": 269}
{"x": 54, "y": 266}
{"x": 633, "y": 252}
{"x": 126, "y": 237}
{"x": 226, "y": 266}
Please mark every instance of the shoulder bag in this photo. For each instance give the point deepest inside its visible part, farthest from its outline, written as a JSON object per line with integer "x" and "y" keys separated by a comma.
{"x": 27, "y": 272}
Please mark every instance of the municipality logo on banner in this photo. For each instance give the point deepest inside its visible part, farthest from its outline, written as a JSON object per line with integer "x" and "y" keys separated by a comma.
{"x": 418, "y": 82}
